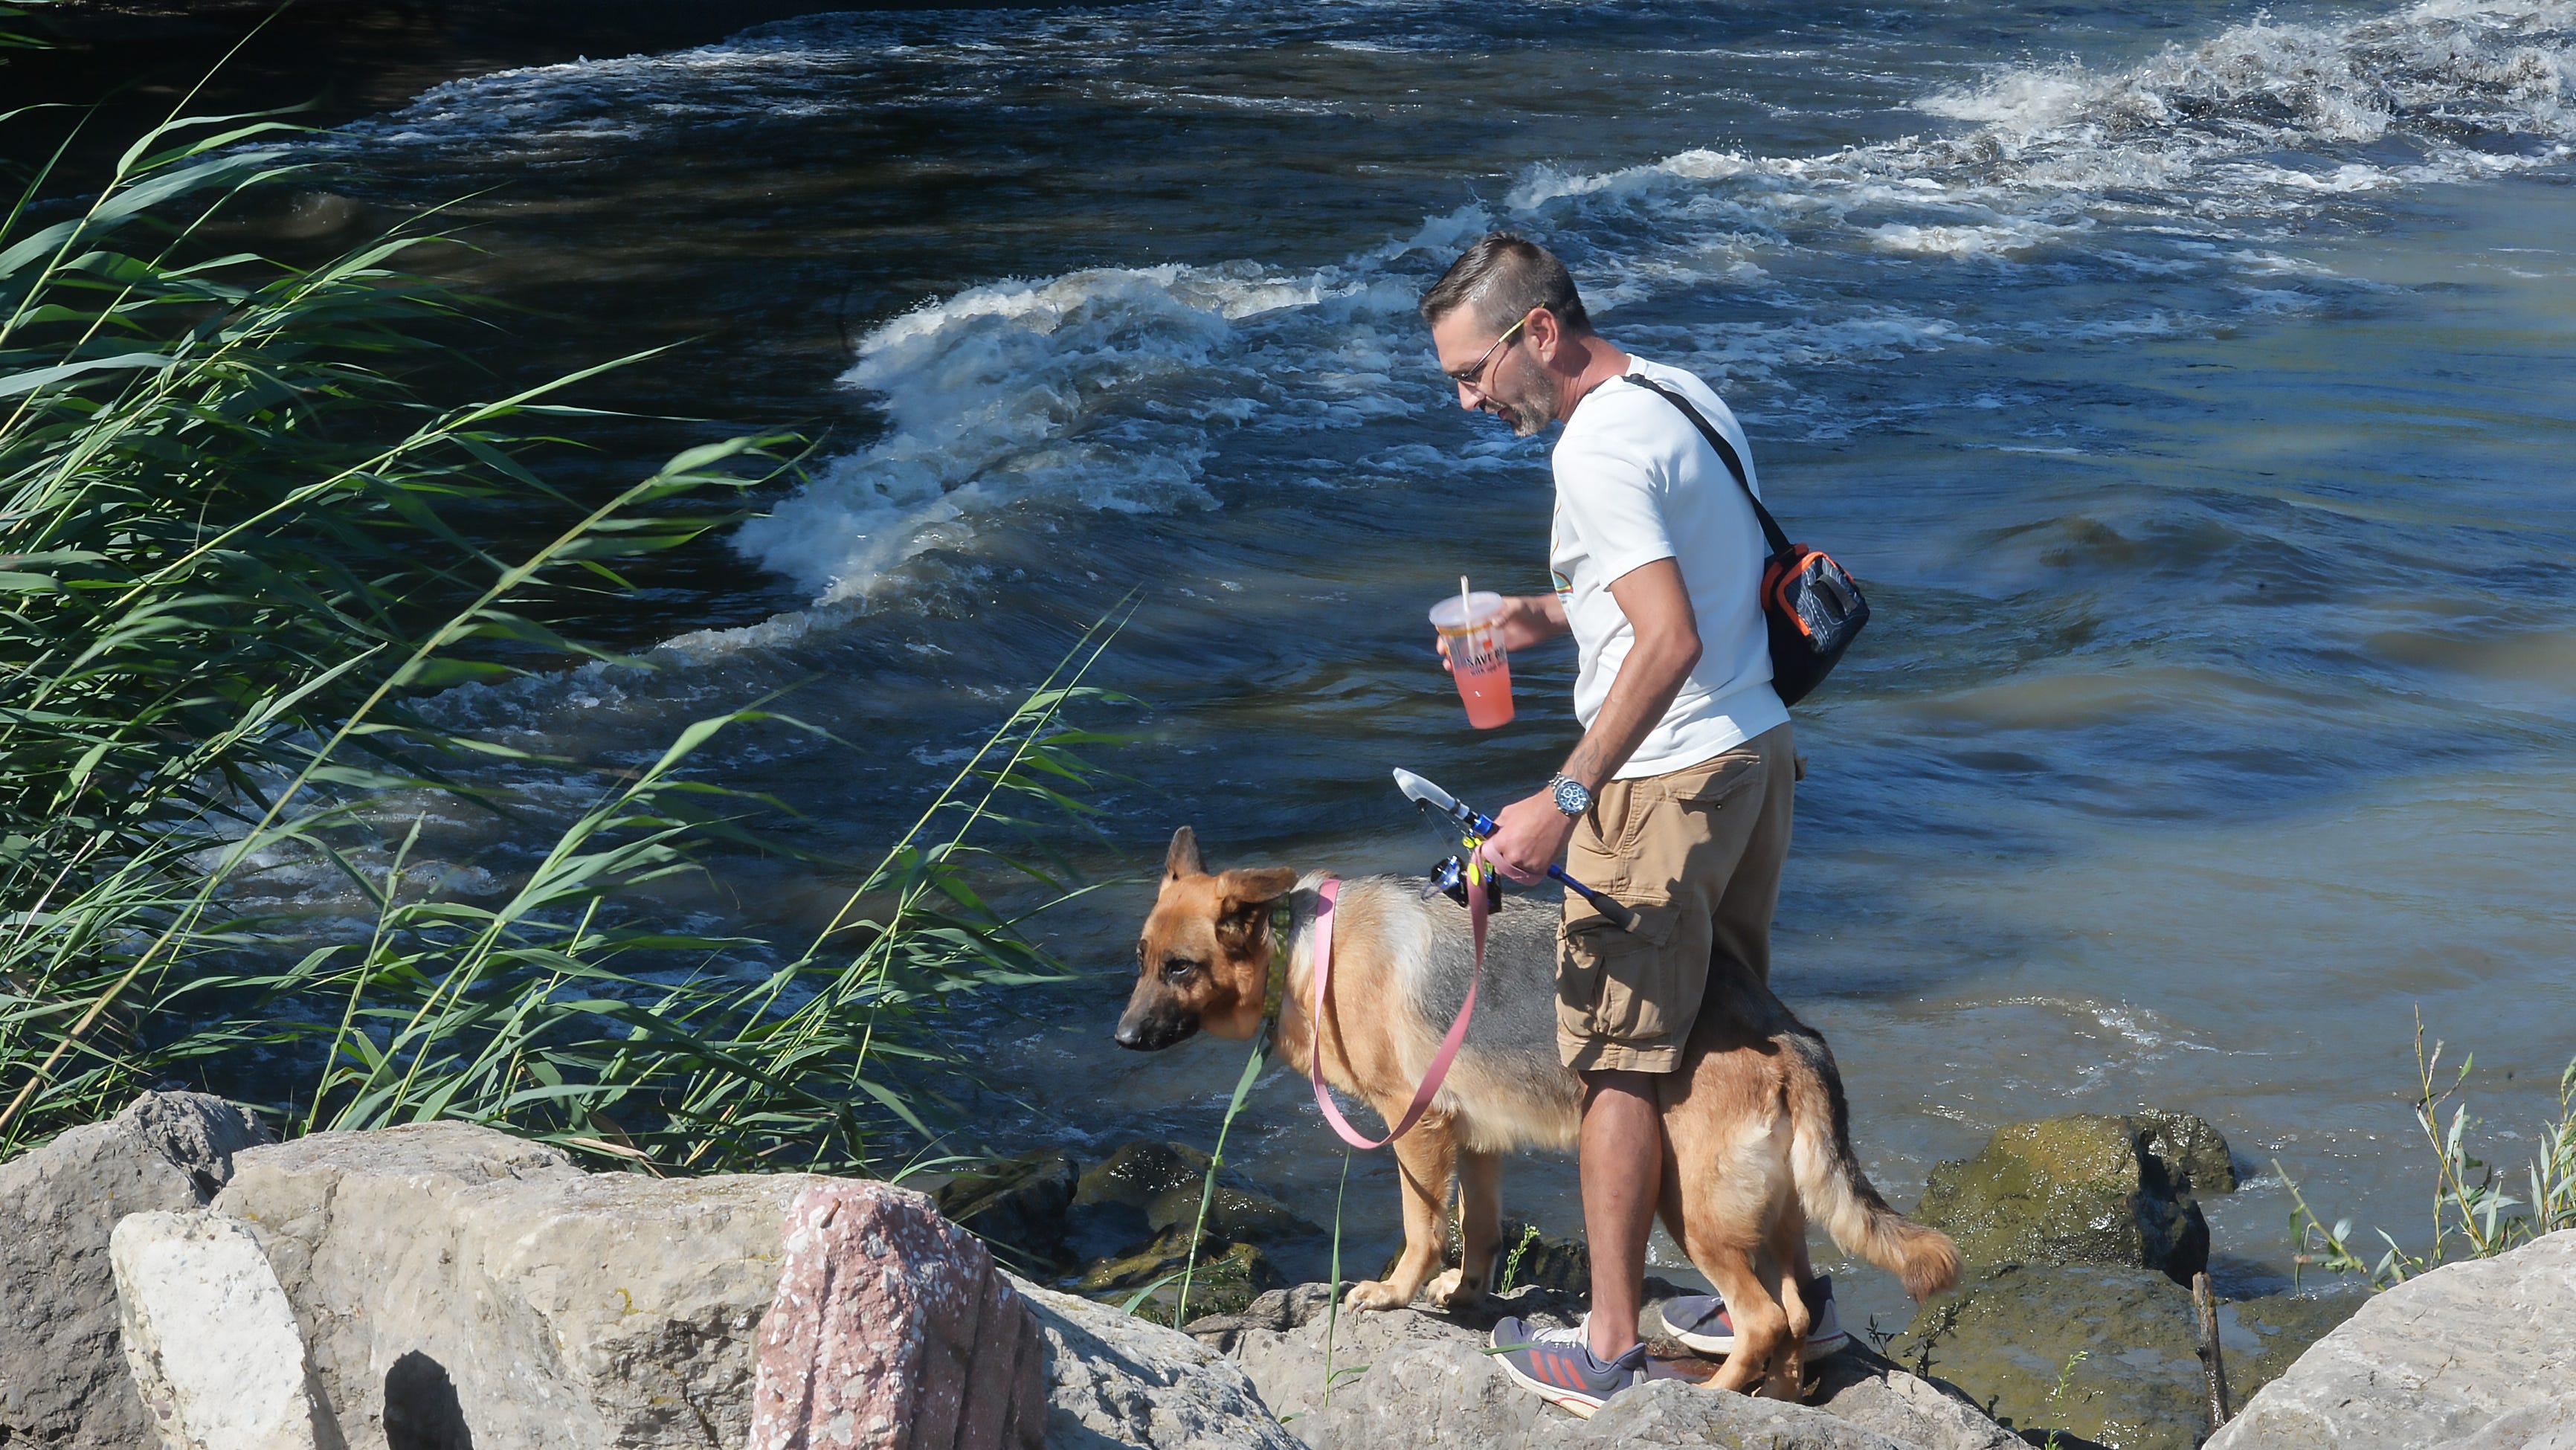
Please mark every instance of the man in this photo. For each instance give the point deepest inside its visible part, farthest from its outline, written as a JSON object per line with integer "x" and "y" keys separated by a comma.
{"x": 1677, "y": 798}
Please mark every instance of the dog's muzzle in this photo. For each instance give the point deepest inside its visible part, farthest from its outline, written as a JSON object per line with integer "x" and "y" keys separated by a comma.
{"x": 1156, "y": 1032}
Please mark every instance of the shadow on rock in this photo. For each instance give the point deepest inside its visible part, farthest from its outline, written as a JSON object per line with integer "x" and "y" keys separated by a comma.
{"x": 422, "y": 1411}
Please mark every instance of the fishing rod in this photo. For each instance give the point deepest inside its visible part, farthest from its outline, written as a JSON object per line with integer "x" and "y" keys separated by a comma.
{"x": 1449, "y": 874}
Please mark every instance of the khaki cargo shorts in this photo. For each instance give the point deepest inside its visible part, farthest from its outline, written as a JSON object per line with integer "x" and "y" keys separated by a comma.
{"x": 1698, "y": 853}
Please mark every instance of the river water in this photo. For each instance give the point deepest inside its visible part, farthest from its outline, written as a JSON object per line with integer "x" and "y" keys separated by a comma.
{"x": 2188, "y": 383}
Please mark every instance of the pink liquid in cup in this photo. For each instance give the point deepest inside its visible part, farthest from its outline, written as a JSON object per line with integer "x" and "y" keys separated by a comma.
{"x": 1474, "y": 633}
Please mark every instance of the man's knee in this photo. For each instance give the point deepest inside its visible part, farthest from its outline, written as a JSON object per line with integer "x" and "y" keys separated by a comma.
{"x": 1614, "y": 1084}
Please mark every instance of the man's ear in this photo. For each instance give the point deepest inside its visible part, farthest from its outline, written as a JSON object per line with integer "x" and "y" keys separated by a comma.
{"x": 1251, "y": 890}
{"x": 1546, "y": 332}
{"x": 1184, "y": 857}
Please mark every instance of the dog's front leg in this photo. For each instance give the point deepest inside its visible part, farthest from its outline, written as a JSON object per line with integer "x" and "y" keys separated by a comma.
{"x": 1480, "y": 1232}
{"x": 1424, "y": 1157}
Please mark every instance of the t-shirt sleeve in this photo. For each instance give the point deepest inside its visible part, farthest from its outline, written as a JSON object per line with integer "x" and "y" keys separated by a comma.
{"x": 1614, "y": 498}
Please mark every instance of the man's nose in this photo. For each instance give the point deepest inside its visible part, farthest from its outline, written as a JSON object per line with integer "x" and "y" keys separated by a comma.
{"x": 1466, "y": 397}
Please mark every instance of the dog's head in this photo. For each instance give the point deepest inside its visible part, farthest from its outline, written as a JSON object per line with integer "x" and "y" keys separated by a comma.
{"x": 1203, "y": 959}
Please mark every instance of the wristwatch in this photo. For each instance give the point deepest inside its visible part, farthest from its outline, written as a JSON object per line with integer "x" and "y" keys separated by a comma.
{"x": 1571, "y": 797}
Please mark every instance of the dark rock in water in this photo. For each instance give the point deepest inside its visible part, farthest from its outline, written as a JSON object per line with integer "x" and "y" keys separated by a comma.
{"x": 1225, "y": 1280}
{"x": 2081, "y": 1189}
{"x": 1017, "y": 1205}
{"x": 1531, "y": 1257}
{"x": 1163, "y": 1182}
{"x": 1148, "y": 1192}
{"x": 1527, "y": 1257}
{"x": 2007, "y": 1338}
{"x": 2192, "y": 1150}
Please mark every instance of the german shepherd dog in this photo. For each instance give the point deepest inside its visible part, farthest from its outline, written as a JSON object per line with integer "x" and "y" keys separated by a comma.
{"x": 1756, "y": 1129}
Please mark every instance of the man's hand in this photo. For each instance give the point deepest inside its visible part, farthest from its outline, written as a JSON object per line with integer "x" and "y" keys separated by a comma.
{"x": 1528, "y": 837}
{"x": 1528, "y": 619}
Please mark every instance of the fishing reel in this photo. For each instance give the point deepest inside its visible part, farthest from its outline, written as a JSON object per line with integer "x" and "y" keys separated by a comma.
{"x": 1449, "y": 877}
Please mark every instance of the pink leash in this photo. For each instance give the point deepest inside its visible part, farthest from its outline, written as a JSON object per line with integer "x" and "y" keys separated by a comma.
{"x": 1478, "y": 906}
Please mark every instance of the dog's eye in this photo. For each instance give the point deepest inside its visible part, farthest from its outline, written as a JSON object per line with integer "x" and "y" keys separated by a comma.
{"x": 1175, "y": 969}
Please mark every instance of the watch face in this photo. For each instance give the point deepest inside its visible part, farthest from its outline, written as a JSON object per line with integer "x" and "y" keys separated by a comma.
{"x": 1572, "y": 798}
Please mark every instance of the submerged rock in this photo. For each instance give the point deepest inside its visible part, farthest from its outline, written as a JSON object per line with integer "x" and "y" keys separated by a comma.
{"x": 2008, "y": 1338}
{"x": 2081, "y": 1189}
{"x": 1017, "y": 1205}
{"x": 2476, "y": 1354}
{"x": 1225, "y": 1280}
{"x": 1130, "y": 1224}
{"x": 1145, "y": 1189}
{"x": 64, "y": 1383}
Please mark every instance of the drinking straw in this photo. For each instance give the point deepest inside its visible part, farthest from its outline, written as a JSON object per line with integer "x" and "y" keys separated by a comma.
{"x": 1466, "y": 615}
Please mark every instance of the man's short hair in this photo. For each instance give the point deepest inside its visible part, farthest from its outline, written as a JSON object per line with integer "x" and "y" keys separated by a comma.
{"x": 1503, "y": 277}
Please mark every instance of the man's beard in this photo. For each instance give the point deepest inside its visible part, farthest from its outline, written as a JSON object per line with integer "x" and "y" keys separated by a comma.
{"x": 1536, "y": 405}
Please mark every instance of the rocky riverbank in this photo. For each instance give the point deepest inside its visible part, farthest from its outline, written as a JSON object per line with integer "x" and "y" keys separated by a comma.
{"x": 172, "y": 1277}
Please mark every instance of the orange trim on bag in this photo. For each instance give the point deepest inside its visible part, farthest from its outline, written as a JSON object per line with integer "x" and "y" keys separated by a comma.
{"x": 1775, "y": 584}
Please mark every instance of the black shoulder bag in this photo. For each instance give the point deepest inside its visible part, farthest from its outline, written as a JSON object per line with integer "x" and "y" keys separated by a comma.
{"x": 1813, "y": 607}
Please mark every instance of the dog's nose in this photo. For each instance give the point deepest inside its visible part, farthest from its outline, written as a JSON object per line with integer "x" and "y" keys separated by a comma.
{"x": 1128, "y": 1037}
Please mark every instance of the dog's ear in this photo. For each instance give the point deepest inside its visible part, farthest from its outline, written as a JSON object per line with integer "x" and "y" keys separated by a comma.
{"x": 1252, "y": 890}
{"x": 1184, "y": 857}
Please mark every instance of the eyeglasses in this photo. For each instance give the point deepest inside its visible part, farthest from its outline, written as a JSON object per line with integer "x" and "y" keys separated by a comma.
{"x": 1468, "y": 379}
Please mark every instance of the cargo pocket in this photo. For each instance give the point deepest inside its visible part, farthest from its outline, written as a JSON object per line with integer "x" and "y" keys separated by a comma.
{"x": 1737, "y": 771}
{"x": 1622, "y": 985}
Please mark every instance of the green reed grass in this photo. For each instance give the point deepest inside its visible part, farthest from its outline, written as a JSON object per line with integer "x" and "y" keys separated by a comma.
{"x": 235, "y": 553}
{"x": 2474, "y": 1211}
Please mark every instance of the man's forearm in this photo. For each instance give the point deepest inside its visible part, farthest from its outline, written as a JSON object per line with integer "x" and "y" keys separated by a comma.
{"x": 1649, "y": 678}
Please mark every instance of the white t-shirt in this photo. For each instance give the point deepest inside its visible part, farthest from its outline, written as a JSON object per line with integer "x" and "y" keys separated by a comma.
{"x": 1635, "y": 482}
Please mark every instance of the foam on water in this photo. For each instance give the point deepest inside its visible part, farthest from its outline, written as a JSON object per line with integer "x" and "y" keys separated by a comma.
{"x": 1111, "y": 389}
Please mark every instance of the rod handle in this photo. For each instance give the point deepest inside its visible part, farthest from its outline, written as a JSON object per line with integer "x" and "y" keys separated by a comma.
{"x": 1621, "y": 916}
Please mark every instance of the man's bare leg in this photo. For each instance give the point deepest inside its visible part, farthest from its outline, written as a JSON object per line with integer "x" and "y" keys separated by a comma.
{"x": 1621, "y": 1153}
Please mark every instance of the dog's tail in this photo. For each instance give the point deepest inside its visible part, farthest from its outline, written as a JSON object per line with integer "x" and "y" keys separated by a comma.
{"x": 1833, "y": 1190}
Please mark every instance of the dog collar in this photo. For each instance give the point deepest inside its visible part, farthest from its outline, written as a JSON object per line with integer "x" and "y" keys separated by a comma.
{"x": 1275, "y": 991}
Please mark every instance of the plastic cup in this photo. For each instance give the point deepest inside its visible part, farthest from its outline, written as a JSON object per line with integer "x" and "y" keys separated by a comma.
{"x": 1474, "y": 631}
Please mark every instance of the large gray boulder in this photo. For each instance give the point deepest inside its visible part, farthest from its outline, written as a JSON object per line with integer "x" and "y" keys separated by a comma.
{"x": 454, "y": 1282}
{"x": 455, "y": 1285}
{"x": 2478, "y": 1353}
{"x": 1421, "y": 1379}
{"x": 1115, "y": 1379}
{"x": 63, "y": 1377}
{"x": 1670, "y": 1412}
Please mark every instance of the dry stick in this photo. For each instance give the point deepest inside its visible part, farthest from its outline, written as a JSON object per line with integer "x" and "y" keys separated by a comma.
{"x": 2207, "y": 1304}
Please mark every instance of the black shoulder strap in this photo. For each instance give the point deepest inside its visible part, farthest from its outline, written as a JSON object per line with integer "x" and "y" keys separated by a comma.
{"x": 1771, "y": 534}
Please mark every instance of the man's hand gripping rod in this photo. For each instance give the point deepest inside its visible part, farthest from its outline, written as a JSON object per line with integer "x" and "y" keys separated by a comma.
{"x": 1478, "y": 825}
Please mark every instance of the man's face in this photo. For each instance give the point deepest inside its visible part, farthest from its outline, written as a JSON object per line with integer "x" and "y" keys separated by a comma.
{"x": 1506, "y": 381}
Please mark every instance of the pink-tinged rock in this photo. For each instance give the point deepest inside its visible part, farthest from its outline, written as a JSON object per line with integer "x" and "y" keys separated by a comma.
{"x": 893, "y": 1330}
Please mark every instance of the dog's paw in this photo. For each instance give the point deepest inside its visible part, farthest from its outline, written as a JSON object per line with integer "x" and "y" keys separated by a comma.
{"x": 1453, "y": 1290}
{"x": 1373, "y": 1294}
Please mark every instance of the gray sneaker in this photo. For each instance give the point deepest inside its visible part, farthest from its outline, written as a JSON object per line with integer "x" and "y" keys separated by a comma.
{"x": 1700, "y": 1321}
{"x": 1561, "y": 1366}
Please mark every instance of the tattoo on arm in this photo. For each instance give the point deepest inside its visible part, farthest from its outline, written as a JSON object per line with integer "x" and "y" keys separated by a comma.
{"x": 1585, "y": 761}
